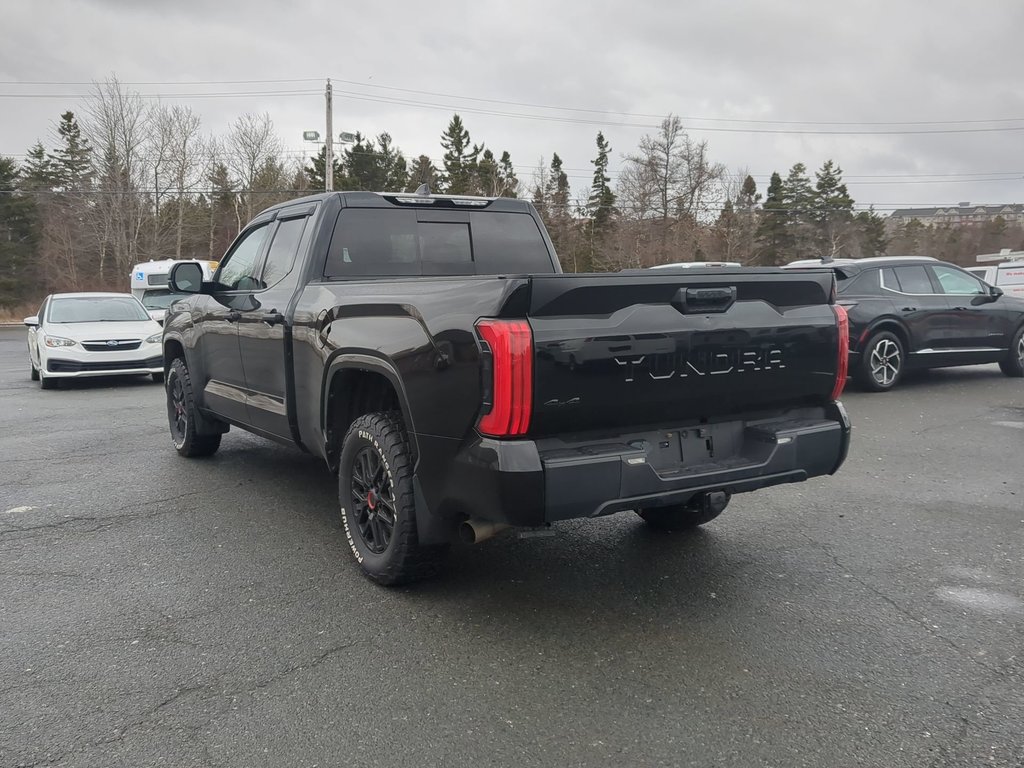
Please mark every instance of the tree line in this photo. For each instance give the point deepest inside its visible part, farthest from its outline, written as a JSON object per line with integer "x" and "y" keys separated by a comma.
{"x": 130, "y": 179}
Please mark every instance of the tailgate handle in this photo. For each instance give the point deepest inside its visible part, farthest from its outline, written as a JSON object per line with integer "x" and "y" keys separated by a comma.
{"x": 696, "y": 300}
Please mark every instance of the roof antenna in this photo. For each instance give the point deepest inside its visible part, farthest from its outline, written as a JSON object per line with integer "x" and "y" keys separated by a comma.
{"x": 423, "y": 190}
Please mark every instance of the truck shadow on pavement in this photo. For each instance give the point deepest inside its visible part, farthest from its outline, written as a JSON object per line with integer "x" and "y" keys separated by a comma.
{"x": 584, "y": 565}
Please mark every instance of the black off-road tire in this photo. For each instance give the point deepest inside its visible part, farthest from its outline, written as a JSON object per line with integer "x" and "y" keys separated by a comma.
{"x": 1013, "y": 365}
{"x": 682, "y": 517}
{"x": 377, "y": 507}
{"x": 183, "y": 417}
{"x": 35, "y": 372}
{"x": 882, "y": 363}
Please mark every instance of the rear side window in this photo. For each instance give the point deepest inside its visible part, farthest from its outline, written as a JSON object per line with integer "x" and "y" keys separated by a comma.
{"x": 914, "y": 280}
{"x": 865, "y": 284}
{"x": 387, "y": 242}
{"x": 509, "y": 243}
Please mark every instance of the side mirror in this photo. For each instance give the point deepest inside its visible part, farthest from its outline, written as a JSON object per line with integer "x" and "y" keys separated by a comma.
{"x": 995, "y": 292}
{"x": 186, "y": 278}
{"x": 31, "y": 322}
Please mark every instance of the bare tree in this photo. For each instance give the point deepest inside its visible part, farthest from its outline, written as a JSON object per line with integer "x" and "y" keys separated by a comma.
{"x": 116, "y": 127}
{"x": 189, "y": 161}
{"x": 669, "y": 182}
{"x": 254, "y": 155}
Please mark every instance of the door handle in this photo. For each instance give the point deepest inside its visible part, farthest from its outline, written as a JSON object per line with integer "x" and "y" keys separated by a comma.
{"x": 908, "y": 309}
{"x": 273, "y": 317}
{"x": 234, "y": 317}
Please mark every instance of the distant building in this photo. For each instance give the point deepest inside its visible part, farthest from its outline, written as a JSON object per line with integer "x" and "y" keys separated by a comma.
{"x": 964, "y": 213}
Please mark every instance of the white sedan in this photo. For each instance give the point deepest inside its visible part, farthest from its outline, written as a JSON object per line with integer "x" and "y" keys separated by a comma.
{"x": 93, "y": 334}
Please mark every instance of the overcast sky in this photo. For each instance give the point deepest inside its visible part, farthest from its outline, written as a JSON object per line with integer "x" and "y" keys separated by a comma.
{"x": 568, "y": 69}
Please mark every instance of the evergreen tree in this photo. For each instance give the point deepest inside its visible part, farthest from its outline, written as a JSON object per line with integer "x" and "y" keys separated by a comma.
{"x": 18, "y": 237}
{"x": 799, "y": 200}
{"x": 459, "y": 158}
{"x": 507, "y": 175}
{"x": 72, "y": 162}
{"x": 424, "y": 172}
{"x": 315, "y": 171}
{"x": 773, "y": 239}
{"x": 362, "y": 166}
{"x": 488, "y": 180}
{"x": 37, "y": 173}
{"x": 749, "y": 197}
{"x": 394, "y": 173}
{"x": 833, "y": 209}
{"x": 872, "y": 235}
{"x": 557, "y": 192}
{"x": 557, "y": 215}
{"x": 601, "y": 203}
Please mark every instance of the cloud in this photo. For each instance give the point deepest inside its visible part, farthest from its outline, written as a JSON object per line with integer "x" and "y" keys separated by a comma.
{"x": 866, "y": 62}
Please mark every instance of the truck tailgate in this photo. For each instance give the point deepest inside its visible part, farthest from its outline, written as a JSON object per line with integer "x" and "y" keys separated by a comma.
{"x": 631, "y": 349}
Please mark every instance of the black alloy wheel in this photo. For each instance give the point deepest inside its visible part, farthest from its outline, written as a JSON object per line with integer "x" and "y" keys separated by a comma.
{"x": 373, "y": 499}
{"x": 183, "y": 417}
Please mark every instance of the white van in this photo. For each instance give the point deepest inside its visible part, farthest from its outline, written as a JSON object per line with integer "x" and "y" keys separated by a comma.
{"x": 1007, "y": 273}
{"x": 149, "y": 284}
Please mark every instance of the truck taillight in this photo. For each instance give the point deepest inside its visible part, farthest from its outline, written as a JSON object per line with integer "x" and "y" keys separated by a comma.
{"x": 843, "y": 361}
{"x": 510, "y": 343}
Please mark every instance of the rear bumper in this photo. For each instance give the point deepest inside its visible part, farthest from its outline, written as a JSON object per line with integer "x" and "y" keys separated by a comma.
{"x": 530, "y": 483}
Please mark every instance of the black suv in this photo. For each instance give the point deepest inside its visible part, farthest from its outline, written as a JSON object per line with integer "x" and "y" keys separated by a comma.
{"x": 917, "y": 312}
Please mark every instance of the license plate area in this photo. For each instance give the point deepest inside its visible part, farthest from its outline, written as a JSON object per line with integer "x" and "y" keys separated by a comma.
{"x": 673, "y": 450}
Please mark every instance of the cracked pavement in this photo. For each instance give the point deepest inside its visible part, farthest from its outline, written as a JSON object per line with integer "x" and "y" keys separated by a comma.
{"x": 162, "y": 612}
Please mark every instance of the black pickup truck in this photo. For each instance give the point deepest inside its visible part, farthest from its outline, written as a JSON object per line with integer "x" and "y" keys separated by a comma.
{"x": 430, "y": 350}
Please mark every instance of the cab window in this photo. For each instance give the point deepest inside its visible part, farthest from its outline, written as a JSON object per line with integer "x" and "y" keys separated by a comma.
{"x": 281, "y": 256}
{"x": 957, "y": 283}
{"x": 237, "y": 270}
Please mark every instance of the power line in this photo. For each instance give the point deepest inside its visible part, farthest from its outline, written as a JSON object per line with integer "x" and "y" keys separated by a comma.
{"x": 486, "y": 100}
{"x": 163, "y": 82}
{"x": 681, "y": 117}
{"x": 577, "y": 120}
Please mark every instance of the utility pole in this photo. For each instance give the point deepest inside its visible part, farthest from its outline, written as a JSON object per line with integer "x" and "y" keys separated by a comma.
{"x": 329, "y": 147}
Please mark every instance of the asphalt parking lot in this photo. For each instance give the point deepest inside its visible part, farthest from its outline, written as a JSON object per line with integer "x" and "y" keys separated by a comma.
{"x": 159, "y": 611}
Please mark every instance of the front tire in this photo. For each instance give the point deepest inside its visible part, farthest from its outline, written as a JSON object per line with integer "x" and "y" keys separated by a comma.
{"x": 183, "y": 416}
{"x": 35, "y": 371}
{"x": 45, "y": 382}
{"x": 882, "y": 362}
{"x": 378, "y": 511}
{"x": 1013, "y": 365}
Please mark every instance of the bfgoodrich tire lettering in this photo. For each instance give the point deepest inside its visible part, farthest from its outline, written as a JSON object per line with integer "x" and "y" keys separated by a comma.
{"x": 378, "y": 512}
{"x": 182, "y": 416}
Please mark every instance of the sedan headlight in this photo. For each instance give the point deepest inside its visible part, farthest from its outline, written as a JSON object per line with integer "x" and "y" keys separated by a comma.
{"x": 155, "y": 338}
{"x": 57, "y": 341}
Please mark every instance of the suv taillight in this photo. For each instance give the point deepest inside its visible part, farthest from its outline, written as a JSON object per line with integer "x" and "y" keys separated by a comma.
{"x": 843, "y": 361}
{"x": 510, "y": 345}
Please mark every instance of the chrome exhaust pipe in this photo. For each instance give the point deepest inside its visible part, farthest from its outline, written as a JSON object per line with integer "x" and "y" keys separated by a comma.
{"x": 475, "y": 531}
